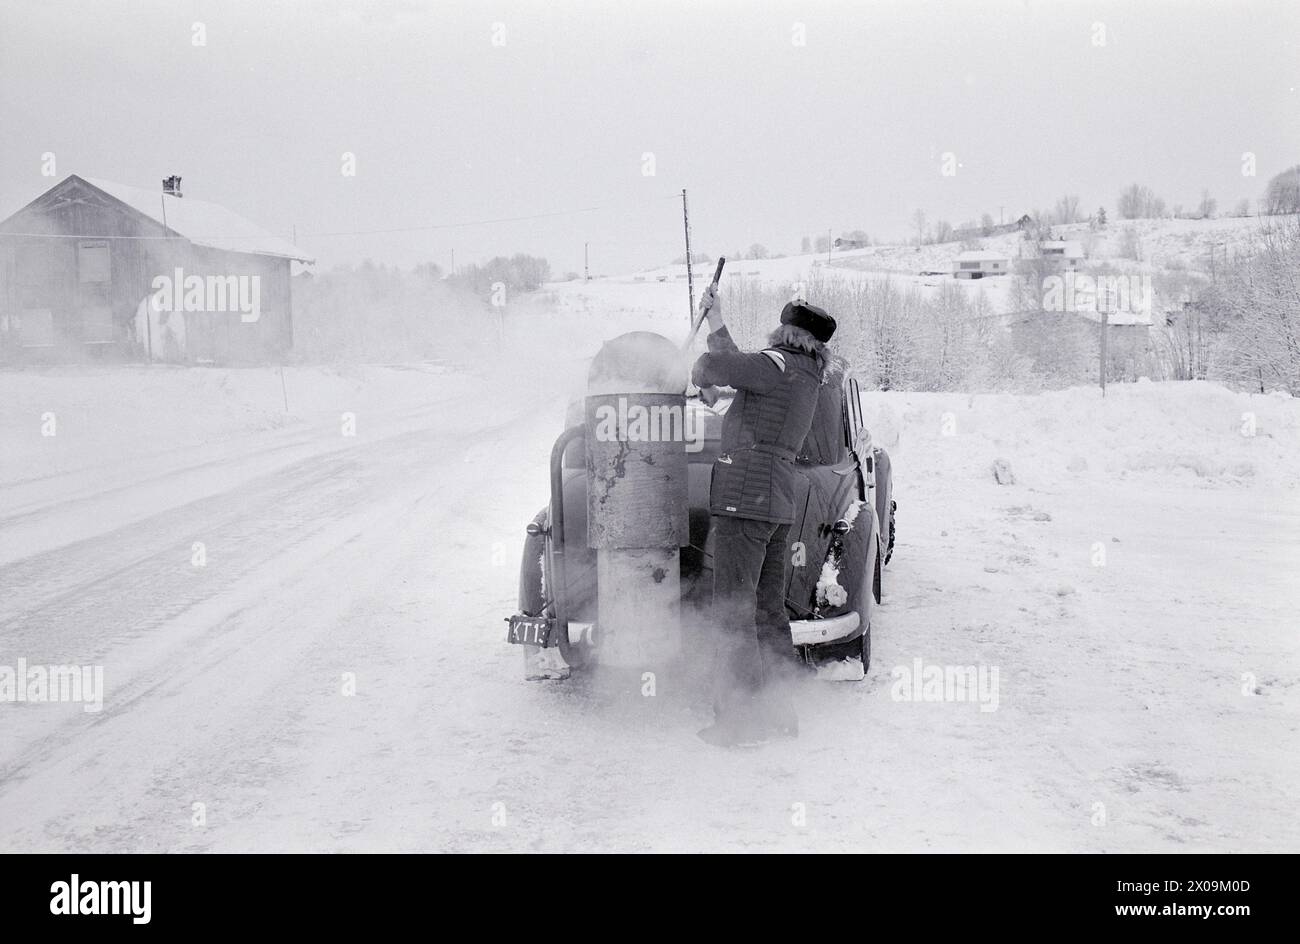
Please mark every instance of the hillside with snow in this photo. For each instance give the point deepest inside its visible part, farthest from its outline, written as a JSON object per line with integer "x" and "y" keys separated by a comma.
{"x": 1182, "y": 246}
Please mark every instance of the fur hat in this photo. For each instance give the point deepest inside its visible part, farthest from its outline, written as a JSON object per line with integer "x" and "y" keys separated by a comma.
{"x": 812, "y": 319}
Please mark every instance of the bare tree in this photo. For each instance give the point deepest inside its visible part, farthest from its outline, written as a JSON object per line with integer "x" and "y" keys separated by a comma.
{"x": 919, "y": 219}
{"x": 1208, "y": 207}
{"x": 1182, "y": 334}
{"x": 1140, "y": 202}
{"x": 1257, "y": 304}
{"x": 1029, "y": 276}
{"x": 1067, "y": 209}
{"x": 1055, "y": 344}
{"x": 1130, "y": 244}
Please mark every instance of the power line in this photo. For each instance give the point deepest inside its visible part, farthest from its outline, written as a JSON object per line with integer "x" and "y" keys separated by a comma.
{"x": 414, "y": 229}
{"x": 244, "y": 237}
{"x": 360, "y": 232}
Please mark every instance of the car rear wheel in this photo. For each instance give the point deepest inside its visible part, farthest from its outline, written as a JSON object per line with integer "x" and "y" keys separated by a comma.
{"x": 893, "y": 510}
{"x": 876, "y": 583}
{"x": 864, "y": 643}
{"x": 866, "y": 652}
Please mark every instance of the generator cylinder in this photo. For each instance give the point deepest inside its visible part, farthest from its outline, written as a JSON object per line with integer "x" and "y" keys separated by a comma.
{"x": 637, "y": 514}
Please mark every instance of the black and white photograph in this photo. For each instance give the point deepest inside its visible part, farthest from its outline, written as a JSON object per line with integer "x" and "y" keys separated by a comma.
{"x": 651, "y": 426}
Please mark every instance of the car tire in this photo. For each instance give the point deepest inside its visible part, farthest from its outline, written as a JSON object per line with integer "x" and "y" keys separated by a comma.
{"x": 889, "y": 550}
{"x": 877, "y": 586}
{"x": 866, "y": 653}
{"x": 864, "y": 643}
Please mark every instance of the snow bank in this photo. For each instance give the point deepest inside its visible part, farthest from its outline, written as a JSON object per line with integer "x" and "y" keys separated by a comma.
{"x": 1197, "y": 432}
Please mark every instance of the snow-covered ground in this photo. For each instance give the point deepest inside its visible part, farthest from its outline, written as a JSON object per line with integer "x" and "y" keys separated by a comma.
{"x": 1147, "y": 699}
{"x": 237, "y": 552}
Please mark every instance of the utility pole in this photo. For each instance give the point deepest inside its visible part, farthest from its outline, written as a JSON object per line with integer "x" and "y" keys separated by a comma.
{"x": 828, "y": 246}
{"x": 690, "y": 268}
{"x": 586, "y": 262}
{"x": 1002, "y": 217}
{"x": 1105, "y": 319}
{"x": 453, "y": 262}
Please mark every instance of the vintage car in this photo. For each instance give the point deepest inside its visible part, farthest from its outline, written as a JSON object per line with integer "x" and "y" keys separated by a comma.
{"x": 840, "y": 542}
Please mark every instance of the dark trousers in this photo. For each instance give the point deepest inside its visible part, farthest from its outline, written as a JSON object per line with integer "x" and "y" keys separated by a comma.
{"x": 749, "y": 570}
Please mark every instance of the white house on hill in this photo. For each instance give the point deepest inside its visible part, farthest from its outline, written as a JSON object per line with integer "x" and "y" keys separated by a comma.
{"x": 1067, "y": 252}
{"x": 977, "y": 263}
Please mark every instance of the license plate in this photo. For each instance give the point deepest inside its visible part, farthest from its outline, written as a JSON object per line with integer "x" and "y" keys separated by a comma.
{"x": 529, "y": 630}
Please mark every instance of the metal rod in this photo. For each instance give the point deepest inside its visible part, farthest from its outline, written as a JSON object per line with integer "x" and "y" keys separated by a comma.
{"x": 699, "y": 318}
{"x": 690, "y": 269}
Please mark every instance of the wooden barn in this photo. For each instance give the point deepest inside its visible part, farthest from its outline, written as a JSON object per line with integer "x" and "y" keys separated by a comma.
{"x": 93, "y": 270}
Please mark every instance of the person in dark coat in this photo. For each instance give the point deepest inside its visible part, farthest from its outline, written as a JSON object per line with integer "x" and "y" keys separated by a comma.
{"x": 751, "y": 499}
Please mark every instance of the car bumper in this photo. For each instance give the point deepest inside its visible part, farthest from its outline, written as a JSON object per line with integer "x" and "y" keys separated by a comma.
{"x": 820, "y": 631}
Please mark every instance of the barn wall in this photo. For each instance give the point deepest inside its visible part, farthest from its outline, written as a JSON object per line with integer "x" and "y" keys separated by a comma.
{"x": 42, "y": 272}
{"x": 224, "y": 337}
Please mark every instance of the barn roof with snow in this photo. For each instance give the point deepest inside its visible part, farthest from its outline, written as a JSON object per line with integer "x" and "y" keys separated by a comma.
{"x": 202, "y": 223}
{"x": 79, "y": 263}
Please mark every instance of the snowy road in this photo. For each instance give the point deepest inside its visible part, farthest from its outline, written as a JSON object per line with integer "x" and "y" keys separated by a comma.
{"x": 1122, "y": 723}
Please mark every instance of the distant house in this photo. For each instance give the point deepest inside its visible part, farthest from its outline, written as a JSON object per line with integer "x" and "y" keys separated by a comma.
{"x": 1128, "y": 335}
{"x": 1121, "y": 322}
{"x": 977, "y": 263}
{"x": 1068, "y": 253}
{"x": 842, "y": 242}
{"x": 94, "y": 270}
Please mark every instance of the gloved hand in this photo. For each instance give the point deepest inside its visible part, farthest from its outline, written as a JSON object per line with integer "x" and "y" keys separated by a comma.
{"x": 711, "y": 305}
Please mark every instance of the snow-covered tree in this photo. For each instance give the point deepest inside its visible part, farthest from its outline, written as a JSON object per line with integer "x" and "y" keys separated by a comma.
{"x": 1283, "y": 193}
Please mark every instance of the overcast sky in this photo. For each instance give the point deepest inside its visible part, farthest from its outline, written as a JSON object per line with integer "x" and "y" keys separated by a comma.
{"x": 773, "y": 139}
